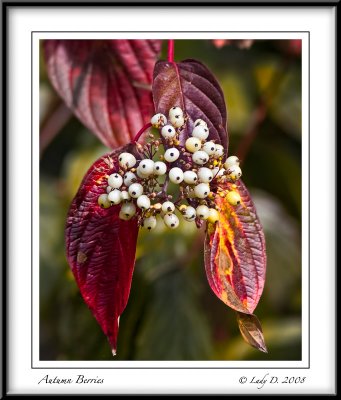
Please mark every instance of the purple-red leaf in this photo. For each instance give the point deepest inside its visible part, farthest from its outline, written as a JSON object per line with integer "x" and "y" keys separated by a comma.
{"x": 251, "y": 330}
{"x": 235, "y": 257}
{"x": 106, "y": 83}
{"x": 191, "y": 86}
{"x": 101, "y": 247}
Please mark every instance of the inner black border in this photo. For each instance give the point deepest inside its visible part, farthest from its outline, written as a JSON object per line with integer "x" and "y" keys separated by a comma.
{"x": 165, "y": 368}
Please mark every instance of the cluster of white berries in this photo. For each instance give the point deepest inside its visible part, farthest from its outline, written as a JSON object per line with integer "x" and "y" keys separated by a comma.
{"x": 197, "y": 169}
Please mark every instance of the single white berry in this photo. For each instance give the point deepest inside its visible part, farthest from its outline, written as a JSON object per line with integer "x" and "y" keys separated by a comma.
{"x": 200, "y": 132}
{"x": 209, "y": 148}
{"x": 213, "y": 216}
{"x": 171, "y": 154}
{"x": 231, "y": 161}
{"x": 115, "y": 181}
{"x": 126, "y": 160}
{"x": 146, "y": 166}
{"x": 190, "y": 177}
{"x": 193, "y": 144}
{"x": 190, "y": 213}
{"x": 200, "y": 122}
{"x": 171, "y": 220}
{"x": 160, "y": 168}
{"x": 205, "y": 175}
{"x": 233, "y": 198}
{"x": 115, "y": 196}
{"x": 103, "y": 201}
{"x": 168, "y": 132}
{"x": 135, "y": 190}
{"x": 168, "y": 207}
{"x": 234, "y": 172}
{"x": 125, "y": 195}
{"x": 143, "y": 202}
{"x": 149, "y": 223}
{"x": 128, "y": 210}
{"x": 129, "y": 178}
{"x": 158, "y": 120}
{"x": 219, "y": 150}
{"x": 140, "y": 174}
{"x": 202, "y": 212}
{"x": 202, "y": 190}
{"x": 175, "y": 111}
{"x": 108, "y": 189}
{"x": 177, "y": 120}
{"x": 200, "y": 157}
{"x": 176, "y": 175}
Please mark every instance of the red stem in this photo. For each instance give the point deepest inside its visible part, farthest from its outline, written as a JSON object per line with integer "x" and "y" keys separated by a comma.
{"x": 140, "y": 132}
{"x": 171, "y": 51}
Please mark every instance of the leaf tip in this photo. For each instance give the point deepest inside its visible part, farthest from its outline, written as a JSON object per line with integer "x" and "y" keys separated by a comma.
{"x": 113, "y": 352}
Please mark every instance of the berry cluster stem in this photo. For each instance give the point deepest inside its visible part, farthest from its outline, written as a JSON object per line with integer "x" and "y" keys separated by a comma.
{"x": 141, "y": 131}
{"x": 171, "y": 51}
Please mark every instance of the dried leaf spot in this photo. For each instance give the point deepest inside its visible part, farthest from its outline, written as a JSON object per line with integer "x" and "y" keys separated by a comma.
{"x": 81, "y": 257}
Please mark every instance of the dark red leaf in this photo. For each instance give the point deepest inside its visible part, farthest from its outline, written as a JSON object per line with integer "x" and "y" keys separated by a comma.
{"x": 101, "y": 247}
{"x": 251, "y": 330}
{"x": 107, "y": 83}
{"x": 235, "y": 257}
{"x": 191, "y": 86}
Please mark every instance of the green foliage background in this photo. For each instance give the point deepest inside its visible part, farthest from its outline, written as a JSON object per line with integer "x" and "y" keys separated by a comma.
{"x": 172, "y": 313}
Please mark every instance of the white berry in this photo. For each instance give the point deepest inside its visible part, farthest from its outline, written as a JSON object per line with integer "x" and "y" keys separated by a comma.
{"x": 171, "y": 220}
{"x": 146, "y": 167}
{"x": 135, "y": 190}
{"x": 103, "y": 201}
{"x": 205, "y": 175}
{"x": 128, "y": 210}
{"x": 126, "y": 160}
{"x": 158, "y": 120}
{"x": 108, "y": 189}
{"x": 129, "y": 178}
{"x": 200, "y": 157}
{"x": 190, "y": 177}
{"x": 168, "y": 207}
{"x": 200, "y": 132}
{"x": 219, "y": 150}
{"x": 231, "y": 161}
{"x": 160, "y": 168}
{"x": 115, "y": 196}
{"x": 213, "y": 216}
{"x": 177, "y": 121}
{"x": 143, "y": 202}
{"x": 125, "y": 195}
{"x": 209, "y": 148}
{"x": 190, "y": 213}
{"x": 115, "y": 181}
{"x": 202, "y": 212}
{"x": 176, "y": 175}
{"x": 193, "y": 144}
{"x": 149, "y": 223}
{"x": 202, "y": 190}
{"x": 200, "y": 122}
{"x": 168, "y": 132}
{"x": 175, "y": 111}
{"x": 171, "y": 154}
{"x": 234, "y": 172}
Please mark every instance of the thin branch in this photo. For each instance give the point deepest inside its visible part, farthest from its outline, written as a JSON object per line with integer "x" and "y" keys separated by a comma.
{"x": 53, "y": 125}
{"x": 170, "y": 51}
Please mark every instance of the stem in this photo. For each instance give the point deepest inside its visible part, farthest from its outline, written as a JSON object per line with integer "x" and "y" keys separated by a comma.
{"x": 141, "y": 131}
{"x": 171, "y": 51}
